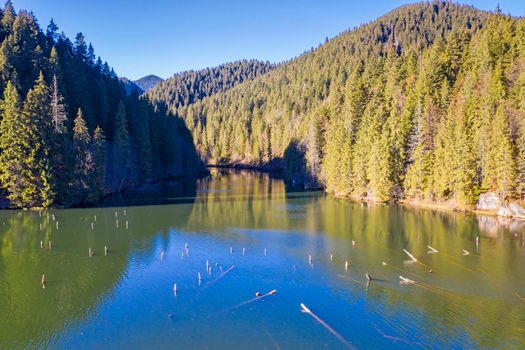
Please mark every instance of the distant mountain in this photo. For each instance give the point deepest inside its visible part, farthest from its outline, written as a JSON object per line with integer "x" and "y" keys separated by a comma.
{"x": 148, "y": 82}
{"x": 191, "y": 86}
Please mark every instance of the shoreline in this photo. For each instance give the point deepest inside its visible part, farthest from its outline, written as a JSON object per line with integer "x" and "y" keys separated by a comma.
{"x": 435, "y": 206}
{"x": 408, "y": 203}
{"x": 196, "y": 175}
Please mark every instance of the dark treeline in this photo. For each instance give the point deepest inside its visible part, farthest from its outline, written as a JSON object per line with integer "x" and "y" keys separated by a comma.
{"x": 187, "y": 87}
{"x": 69, "y": 133}
{"x": 426, "y": 103}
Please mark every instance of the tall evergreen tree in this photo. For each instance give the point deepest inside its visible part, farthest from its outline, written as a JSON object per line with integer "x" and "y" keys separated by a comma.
{"x": 25, "y": 145}
{"x": 502, "y": 173}
{"x": 120, "y": 146}
{"x": 99, "y": 157}
{"x": 84, "y": 162}
{"x": 52, "y": 31}
{"x": 42, "y": 179}
{"x": 8, "y": 16}
{"x": 13, "y": 146}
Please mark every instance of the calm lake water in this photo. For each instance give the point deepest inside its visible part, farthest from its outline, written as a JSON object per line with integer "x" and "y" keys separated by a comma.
{"x": 126, "y": 299}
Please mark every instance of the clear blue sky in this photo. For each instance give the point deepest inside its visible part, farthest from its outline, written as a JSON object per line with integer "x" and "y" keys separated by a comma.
{"x": 163, "y": 37}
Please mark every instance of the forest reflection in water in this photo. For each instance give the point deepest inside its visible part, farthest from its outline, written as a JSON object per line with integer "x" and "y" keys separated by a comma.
{"x": 311, "y": 248}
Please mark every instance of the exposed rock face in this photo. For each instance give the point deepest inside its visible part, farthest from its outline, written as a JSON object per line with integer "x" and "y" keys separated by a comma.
{"x": 512, "y": 210}
{"x": 505, "y": 211}
{"x": 489, "y": 201}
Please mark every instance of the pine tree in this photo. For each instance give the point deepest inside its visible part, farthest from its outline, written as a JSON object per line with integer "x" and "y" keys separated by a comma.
{"x": 504, "y": 172}
{"x": 84, "y": 162}
{"x": 26, "y": 170}
{"x": 54, "y": 63}
{"x": 37, "y": 108}
{"x": 332, "y": 167}
{"x": 313, "y": 155}
{"x": 380, "y": 168}
{"x": 418, "y": 182}
{"x": 443, "y": 166}
{"x": 120, "y": 146}
{"x": 52, "y": 31}
{"x": 13, "y": 146}
{"x": 360, "y": 163}
{"x": 81, "y": 47}
{"x": 99, "y": 156}
{"x": 463, "y": 175}
{"x": 8, "y": 16}
{"x": 520, "y": 163}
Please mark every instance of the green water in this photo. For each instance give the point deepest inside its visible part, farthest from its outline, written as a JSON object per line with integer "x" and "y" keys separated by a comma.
{"x": 126, "y": 299}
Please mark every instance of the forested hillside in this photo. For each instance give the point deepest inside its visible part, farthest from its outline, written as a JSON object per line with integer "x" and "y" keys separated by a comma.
{"x": 188, "y": 87}
{"x": 426, "y": 103}
{"x": 68, "y": 132}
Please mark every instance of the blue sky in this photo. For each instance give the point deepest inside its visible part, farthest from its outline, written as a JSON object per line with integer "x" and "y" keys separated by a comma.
{"x": 163, "y": 37}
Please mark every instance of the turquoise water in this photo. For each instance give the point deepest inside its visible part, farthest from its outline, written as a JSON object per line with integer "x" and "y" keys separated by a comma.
{"x": 297, "y": 243}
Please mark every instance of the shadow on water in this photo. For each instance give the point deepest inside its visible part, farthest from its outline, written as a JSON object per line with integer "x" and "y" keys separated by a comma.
{"x": 174, "y": 191}
{"x": 186, "y": 190}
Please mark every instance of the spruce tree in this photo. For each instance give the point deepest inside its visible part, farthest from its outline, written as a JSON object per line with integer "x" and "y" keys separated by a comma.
{"x": 520, "y": 163}
{"x": 25, "y": 157}
{"x": 13, "y": 146}
{"x": 120, "y": 147}
{"x": 84, "y": 162}
{"x": 504, "y": 172}
{"x": 54, "y": 64}
{"x": 99, "y": 156}
{"x": 463, "y": 175}
{"x": 52, "y": 31}
{"x": 8, "y": 16}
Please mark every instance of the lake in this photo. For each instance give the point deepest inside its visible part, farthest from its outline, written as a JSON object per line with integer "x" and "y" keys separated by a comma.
{"x": 246, "y": 233}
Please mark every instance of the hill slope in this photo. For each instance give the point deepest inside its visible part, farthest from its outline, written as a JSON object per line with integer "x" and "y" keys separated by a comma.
{"x": 426, "y": 102}
{"x": 187, "y": 87}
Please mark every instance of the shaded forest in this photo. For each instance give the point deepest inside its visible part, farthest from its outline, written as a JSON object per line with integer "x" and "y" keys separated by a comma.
{"x": 425, "y": 103}
{"x": 69, "y": 133}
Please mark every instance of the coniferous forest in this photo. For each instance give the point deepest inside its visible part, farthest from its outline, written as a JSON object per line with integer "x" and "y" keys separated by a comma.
{"x": 426, "y": 103}
{"x": 69, "y": 133}
{"x": 262, "y": 204}
{"x": 188, "y": 87}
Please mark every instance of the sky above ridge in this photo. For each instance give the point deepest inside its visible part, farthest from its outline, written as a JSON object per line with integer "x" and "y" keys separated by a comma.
{"x": 163, "y": 37}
